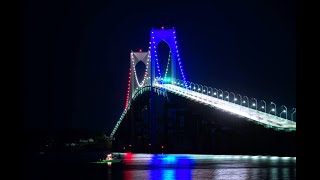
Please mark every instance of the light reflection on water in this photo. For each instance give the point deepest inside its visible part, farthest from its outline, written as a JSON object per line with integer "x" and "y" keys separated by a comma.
{"x": 178, "y": 166}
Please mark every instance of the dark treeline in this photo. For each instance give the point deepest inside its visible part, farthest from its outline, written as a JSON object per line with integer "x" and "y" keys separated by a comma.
{"x": 39, "y": 139}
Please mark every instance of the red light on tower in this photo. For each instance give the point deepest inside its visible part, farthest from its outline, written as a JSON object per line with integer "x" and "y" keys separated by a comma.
{"x": 140, "y": 50}
{"x": 162, "y": 147}
{"x": 130, "y": 145}
{"x": 162, "y": 27}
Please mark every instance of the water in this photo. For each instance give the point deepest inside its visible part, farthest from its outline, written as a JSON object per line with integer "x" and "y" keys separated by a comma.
{"x": 166, "y": 167}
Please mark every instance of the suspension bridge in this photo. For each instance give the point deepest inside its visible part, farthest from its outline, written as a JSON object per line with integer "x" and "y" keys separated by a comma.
{"x": 174, "y": 81}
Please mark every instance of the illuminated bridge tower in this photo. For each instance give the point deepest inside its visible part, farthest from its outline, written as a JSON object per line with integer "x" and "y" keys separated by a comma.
{"x": 168, "y": 36}
{"x": 135, "y": 58}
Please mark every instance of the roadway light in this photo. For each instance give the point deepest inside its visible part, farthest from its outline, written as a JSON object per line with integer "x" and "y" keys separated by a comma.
{"x": 209, "y": 90}
{"x": 284, "y": 111}
{"x": 234, "y": 97}
{"x": 275, "y": 108}
{"x": 206, "y": 88}
{"x": 201, "y": 87}
{"x": 216, "y": 91}
{"x": 293, "y": 113}
{"x": 194, "y": 86}
{"x": 221, "y": 95}
{"x": 254, "y": 104}
{"x": 240, "y": 100}
{"x": 265, "y": 106}
{"x": 227, "y": 97}
{"x": 247, "y": 99}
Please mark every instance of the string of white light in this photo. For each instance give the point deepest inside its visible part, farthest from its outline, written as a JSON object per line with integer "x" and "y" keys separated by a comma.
{"x": 178, "y": 57}
{"x": 165, "y": 75}
{"x": 128, "y": 91}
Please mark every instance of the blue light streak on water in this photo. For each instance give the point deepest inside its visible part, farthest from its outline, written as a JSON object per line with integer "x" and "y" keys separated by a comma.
{"x": 168, "y": 167}
{"x": 171, "y": 159}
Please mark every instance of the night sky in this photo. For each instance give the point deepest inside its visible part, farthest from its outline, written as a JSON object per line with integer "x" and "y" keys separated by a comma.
{"x": 77, "y": 53}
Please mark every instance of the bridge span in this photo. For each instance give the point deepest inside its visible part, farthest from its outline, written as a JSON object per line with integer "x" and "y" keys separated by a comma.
{"x": 174, "y": 81}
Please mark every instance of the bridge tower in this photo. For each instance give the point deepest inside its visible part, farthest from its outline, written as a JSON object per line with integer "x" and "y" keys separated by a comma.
{"x": 168, "y": 36}
{"x": 136, "y": 57}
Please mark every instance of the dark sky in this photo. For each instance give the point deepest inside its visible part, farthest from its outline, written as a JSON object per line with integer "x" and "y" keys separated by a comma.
{"x": 77, "y": 53}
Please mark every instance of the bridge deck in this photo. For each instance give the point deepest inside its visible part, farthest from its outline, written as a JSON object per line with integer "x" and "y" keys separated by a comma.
{"x": 266, "y": 119}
